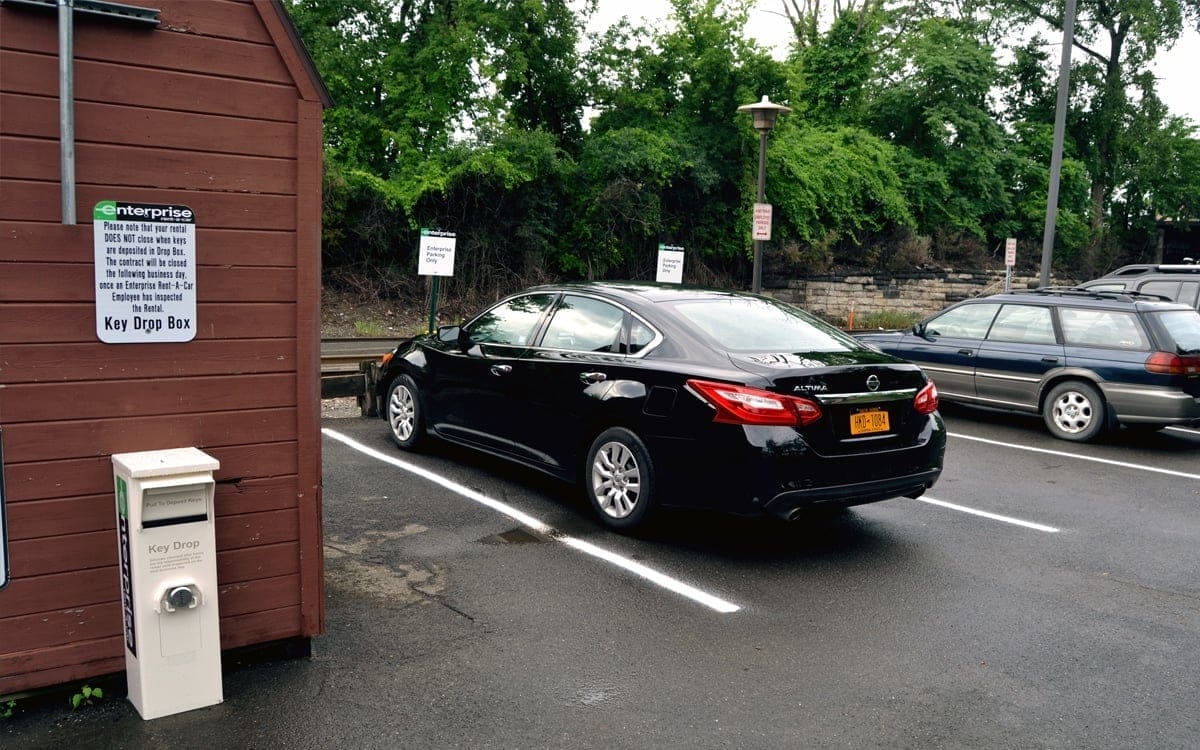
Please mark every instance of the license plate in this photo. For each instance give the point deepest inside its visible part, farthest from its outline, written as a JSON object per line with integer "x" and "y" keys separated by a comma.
{"x": 864, "y": 422}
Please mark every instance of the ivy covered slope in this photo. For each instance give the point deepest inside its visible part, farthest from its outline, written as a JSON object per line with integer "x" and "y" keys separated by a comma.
{"x": 921, "y": 134}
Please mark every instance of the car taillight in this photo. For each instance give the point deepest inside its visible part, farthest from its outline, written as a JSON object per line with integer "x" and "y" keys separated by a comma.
{"x": 738, "y": 404}
{"x": 1166, "y": 363}
{"x": 926, "y": 401}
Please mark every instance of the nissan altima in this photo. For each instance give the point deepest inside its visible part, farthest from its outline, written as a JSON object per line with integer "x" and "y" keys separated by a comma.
{"x": 654, "y": 395}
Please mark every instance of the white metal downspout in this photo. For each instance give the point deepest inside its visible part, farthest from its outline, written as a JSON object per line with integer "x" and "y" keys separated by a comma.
{"x": 66, "y": 106}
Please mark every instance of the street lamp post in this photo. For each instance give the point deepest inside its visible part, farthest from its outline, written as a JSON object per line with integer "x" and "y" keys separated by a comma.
{"x": 764, "y": 113}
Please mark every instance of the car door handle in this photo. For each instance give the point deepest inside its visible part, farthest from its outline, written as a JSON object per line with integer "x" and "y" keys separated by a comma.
{"x": 1050, "y": 360}
{"x": 966, "y": 352}
{"x": 592, "y": 377}
{"x": 501, "y": 369}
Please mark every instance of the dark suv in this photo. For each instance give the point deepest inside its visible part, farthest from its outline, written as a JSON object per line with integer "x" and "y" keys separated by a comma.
{"x": 1085, "y": 360}
{"x": 1178, "y": 282}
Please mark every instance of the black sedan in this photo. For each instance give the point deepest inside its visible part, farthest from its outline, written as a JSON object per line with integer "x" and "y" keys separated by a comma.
{"x": 659, "y": 395}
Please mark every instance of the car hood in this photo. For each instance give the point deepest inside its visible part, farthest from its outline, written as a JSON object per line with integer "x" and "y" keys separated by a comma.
{"x": 880, "y": 336}
{"x": 830, "y": 372}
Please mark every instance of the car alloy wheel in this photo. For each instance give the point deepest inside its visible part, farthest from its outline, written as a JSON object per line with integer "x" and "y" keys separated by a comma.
{"x": 404, "y": 413}
{"x": 1074, "y": 411}
{"x": 620, "y": 478}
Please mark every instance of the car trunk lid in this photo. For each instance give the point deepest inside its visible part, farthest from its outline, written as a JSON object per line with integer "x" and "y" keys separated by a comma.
{"x": 866, "y": 397}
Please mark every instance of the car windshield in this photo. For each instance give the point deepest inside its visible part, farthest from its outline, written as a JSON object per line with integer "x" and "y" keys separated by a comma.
{"x": 757, "y": 325}
{"x": 1183, "y": 327}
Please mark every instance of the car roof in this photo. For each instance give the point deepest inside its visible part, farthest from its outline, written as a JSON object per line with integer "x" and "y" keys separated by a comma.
{"x": 1088, "y": 298}
{"x": 1145, "y": 269}
{"x": 645, "y": 291}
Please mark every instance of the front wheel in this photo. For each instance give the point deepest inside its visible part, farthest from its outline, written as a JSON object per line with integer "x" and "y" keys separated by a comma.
{"x": 620, "y": 478}
{"x": 1074, "y": 411}
{"x": 406, "y": 422}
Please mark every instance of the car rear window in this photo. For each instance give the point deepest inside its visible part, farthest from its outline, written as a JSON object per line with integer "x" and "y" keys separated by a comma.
{"x": 757, "y": 325}
{"x": 1182, "y": 327}
{"x": 1111, "y": 329}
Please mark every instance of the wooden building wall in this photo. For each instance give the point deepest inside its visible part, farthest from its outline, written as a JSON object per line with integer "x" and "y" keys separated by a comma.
{"x": 218, "y": 109}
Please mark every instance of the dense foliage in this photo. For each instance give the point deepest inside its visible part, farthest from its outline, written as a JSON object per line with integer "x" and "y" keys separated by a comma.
{"x": 921, "y": 134}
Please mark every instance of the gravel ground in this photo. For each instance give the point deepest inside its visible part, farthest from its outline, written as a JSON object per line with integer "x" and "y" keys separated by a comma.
{"x": 340, "y": 408}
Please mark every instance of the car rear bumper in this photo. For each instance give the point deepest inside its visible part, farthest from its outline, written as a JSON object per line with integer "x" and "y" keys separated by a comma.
{"x": 1135, "y": 404}
{"x": 758, "y": 471}
{"x": 792, "y": 504}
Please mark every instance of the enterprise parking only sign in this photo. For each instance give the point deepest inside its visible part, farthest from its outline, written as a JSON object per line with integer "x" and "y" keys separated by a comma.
{"x": 435, "y": 254}
{"x": 145, "y": 272}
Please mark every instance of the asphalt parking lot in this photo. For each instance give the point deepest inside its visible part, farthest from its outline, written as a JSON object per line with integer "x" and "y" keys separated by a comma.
{"x": 1067, "y": 616}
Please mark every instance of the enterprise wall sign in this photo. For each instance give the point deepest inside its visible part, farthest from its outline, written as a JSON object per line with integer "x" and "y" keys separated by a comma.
{"x": 145, "y": 272}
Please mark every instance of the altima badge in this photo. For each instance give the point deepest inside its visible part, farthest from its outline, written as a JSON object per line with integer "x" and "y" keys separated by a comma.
{"x": 872, "y": 382}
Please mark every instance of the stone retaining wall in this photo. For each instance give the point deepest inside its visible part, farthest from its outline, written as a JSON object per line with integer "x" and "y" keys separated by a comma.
{"x": 918, "y": 293}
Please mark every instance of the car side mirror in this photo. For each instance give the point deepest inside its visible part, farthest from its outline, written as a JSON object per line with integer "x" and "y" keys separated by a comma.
{"x": 918, "y": 329}
{"x": 467, "y": 345}
{"x": 448, "y": 334}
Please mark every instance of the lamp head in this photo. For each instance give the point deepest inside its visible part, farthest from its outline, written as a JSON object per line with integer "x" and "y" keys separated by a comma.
{"x": 764, "y": 113}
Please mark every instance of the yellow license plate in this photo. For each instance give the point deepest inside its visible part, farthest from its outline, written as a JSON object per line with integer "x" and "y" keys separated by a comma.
{"x": 864, "y": 422}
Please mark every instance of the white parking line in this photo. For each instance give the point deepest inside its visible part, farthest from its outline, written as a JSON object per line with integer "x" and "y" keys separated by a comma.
{"x": 1064, "y": 454}
{"x": 1185, "y": 430}
{"x": 993, "y": 516}
{"x": 642, "y": 571}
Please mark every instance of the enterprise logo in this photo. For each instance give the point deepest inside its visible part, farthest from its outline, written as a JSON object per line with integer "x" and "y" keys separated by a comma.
{"x": 116, "y": 211}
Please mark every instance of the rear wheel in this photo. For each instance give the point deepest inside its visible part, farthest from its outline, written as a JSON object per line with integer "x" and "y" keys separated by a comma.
{"x": 1074, "y": 410}
{"x": 620, "y": 478}
{"x": 406, "y": 423}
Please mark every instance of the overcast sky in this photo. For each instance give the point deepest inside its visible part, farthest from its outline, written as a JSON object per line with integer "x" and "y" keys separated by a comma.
{"x": 1177, "y": 69}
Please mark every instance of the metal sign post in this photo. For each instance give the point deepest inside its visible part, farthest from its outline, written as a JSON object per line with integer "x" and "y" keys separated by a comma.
{"x": 435, "y": 257}
{"x": 1010, "y": 260}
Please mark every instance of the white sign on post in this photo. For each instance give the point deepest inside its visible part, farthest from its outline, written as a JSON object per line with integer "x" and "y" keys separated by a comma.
{"x": 670, "y": 264}
{"x": 762, "y": 222}
{"x": 1010, "y": 251}
{"x": 145, "y": 268}
{"x": 436, "y": 253}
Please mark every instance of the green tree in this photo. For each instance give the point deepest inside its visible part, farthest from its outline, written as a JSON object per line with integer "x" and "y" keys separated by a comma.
{"x": 536, "y": 67}
{"x": 1118, "y": 40}
{"x": 671, "y": 96}
{"x": 835, "y": 67}
{"x": 836, "y": 188}
{"x": 401, "y": 75}
{"x": 934, "y": 102}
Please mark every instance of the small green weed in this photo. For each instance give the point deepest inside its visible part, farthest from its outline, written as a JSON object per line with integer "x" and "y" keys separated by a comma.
{"x": 369, "y": 328}
{"x": 85, "y": 696}
{"x": 886, "y": 319}
{"x": 6, "y": 709}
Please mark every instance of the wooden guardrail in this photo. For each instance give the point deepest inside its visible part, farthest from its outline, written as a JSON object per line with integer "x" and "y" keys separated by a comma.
{"x": 350, "y": 368}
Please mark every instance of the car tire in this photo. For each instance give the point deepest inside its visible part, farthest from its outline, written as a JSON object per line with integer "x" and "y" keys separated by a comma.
{"x": 1074, "y": 411}
{"x": 619, "y": 478}
{"x": 406, "y": 420}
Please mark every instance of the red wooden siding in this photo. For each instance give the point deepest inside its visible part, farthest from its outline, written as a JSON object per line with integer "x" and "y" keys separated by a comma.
{"x": 216, "y": 109}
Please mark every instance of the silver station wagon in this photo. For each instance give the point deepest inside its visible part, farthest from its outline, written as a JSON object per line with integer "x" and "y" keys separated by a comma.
{"x": 1086, "y": 360}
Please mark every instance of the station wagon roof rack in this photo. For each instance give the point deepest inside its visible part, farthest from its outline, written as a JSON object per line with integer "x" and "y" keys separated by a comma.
{"x": 1113, "y": 294}
{"x": 1138, "y": 269}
